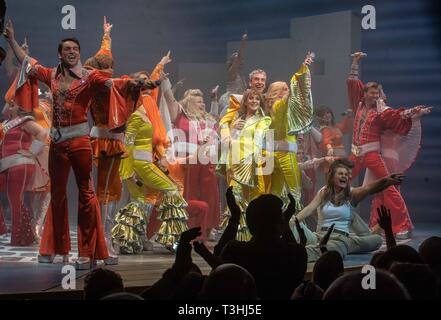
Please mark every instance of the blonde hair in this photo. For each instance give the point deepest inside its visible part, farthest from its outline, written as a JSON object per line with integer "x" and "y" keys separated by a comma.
{"x": 272, "y": 95}
{"x": 193, "y": 112}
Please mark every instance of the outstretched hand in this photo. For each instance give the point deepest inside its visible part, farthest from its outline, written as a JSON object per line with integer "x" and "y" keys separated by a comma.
{"x": 9, "y": 30}
{"x": 308, "y": 59}
{"x": 107, "y": 27}
{"x": 358, "y": 56}
{"x": 190, "y": 234}
{"x": 166, "y": 59}
{"x": 420, "y": 111}
{"x": 394, "y": 179}
{"x": 384, "y": 218}
{"x": 232, "y": 205}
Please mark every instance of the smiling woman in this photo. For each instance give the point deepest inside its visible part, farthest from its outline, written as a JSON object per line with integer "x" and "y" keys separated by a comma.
{"x": 335, "y": 204}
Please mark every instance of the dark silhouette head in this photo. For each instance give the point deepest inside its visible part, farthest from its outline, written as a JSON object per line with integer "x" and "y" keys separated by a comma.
{"x": 122, "y": 296}
{"x": 190, "y": 286}
{"x": 327, "y": 268}
{"x": 430, "y": 252}
{"x": 229, "y": 281}
{"x": 419, "y": 280}
{"x": 264, "y": 216}
{"x": 375, "y": 258}
{"x": 307, "y": 291}
{"x": 102, "y": 282}
{"x": 399, "y": 253}
{"x": 349, "y": 287}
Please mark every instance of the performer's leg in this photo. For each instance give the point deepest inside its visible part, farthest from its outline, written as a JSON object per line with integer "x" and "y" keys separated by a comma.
{"x": 56, "y": 238}
{"x": 40, "y": 204}
{"x": 337, "y": 242}
{"x": 277, "y": 180}
{"x": 198, "y": 212}
{"x": 109, "y": 193}
{"x": 209, "y": 193}
{"x": 291, "y": 174}
{"x": 358, "y": 166}
{"x": 3, "y": 229}
{"x": 18, "y": 178}
{"x": 391, "y": 197}
{"x": 170, "y": 205}
{"x": 367, "y": 243}
{"x": 91, "y": 241}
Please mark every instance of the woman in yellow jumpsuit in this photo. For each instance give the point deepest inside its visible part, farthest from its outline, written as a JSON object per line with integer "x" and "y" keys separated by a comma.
{"x": 146, "y": 143}
{"x": 291, "y": 115}
{"x": 243, "y": 128}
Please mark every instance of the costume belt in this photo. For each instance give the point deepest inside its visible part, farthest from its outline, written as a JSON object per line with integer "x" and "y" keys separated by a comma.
{"x": 282, "y": 145}
{"x": 325, "y": 229}
{"x": 359, "y": 151}
{"x": 14, "y": 160}
{"x": 65, "y": 133}
{"x": 143, "y": 155}
{"x": 105, "y": 133}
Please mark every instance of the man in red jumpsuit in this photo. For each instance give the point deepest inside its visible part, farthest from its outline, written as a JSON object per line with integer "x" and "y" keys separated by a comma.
{"x": 369, "y": 123}
{"x": 72, "y": 87}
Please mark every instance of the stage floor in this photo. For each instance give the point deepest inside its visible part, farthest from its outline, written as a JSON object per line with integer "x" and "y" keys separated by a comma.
{"x": 21, "y": 273}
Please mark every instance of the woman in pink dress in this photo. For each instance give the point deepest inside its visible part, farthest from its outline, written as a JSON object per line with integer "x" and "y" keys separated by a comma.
{"x": 21, "y": 141}
{"x": 199, "y": 127}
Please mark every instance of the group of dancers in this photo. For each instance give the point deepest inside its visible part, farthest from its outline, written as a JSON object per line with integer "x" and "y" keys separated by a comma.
{"x": 176, "y": 159}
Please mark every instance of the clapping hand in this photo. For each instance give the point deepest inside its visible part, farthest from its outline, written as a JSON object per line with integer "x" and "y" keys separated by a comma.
{"x": 325, "y": 239}
{"x": 301, "y": 233}
{"x": 190, "y": 234}
{"x": 384, "y": 219}
{"x": 232, "y": 205}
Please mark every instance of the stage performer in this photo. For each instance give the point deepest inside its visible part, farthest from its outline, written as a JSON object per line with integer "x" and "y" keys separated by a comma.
{"x": 146, "y": 141}
{"x": 335, "y": 204}
{"x": 190, "y": 117}
{"x": 72, "y": 87}
{"x": 332, "y": 143}
{"x": 371, "y": 121}
{"x": 107, "y": 136}
{"x": 243, "y": 129}
{"x": 278, "y": 105}
{"x": 22, "y": 140}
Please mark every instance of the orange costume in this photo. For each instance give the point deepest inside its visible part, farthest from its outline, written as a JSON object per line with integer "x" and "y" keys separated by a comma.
{"x": 332, "y": 138}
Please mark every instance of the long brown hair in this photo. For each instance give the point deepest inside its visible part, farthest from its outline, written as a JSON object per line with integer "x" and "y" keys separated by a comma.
{"x": 329, "y": 190}
{"x": 243, "y": 104}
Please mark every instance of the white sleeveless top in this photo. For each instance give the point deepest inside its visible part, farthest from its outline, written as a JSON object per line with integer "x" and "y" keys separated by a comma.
{"x": 330, "y": 214}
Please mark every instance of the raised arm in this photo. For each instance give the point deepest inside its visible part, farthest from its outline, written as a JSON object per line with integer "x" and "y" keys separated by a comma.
{"x": 172, "y": 103}
{"x": 10, "y": 37}
{"x": 234, "y": 69}
{"x": 355, "y": 85}
{"x": 359, "y": 193}
{"x": 300, "y": 107}
{"x": 106, "y": 43}
{"x": 311, "y": 207}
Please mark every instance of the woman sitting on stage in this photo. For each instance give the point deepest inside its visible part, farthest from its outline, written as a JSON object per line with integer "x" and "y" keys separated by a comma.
{"x": 335, "y": 204}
